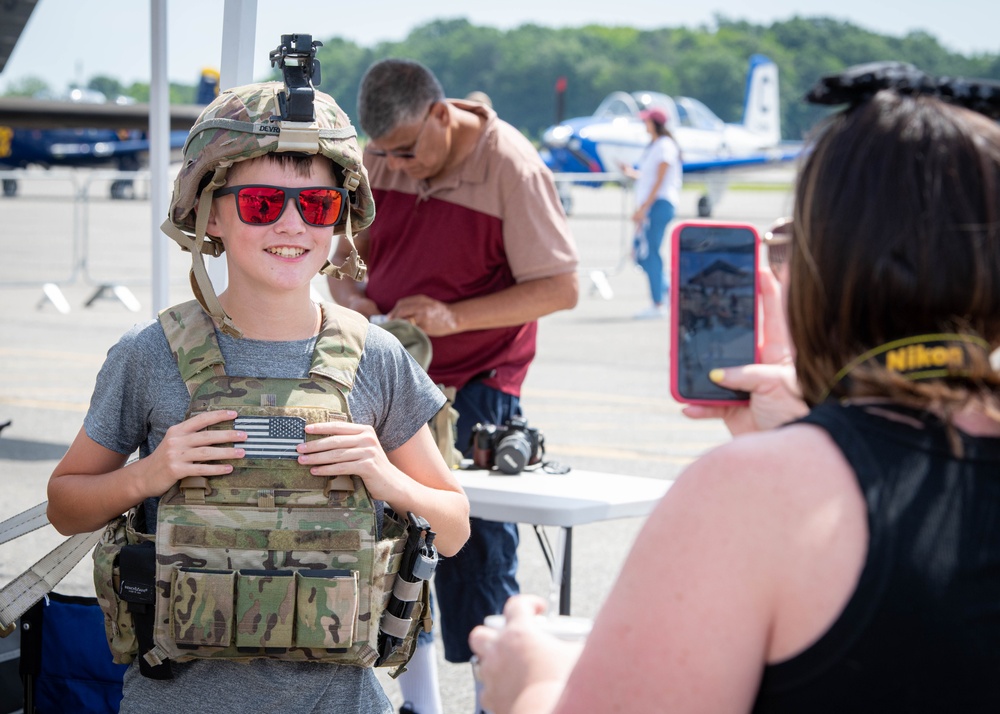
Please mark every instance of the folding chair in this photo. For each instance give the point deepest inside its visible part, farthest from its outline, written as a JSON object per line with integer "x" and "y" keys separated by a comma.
{"x": 11, "y": 696}
{"x": 65, "y": 664}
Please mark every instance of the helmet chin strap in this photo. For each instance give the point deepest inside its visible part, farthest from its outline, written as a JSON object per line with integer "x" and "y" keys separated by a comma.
{"x": 197, "y": 245}
{"x": 353, "y": 267}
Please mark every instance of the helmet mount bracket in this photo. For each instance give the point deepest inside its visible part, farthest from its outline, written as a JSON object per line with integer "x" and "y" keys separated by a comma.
{"x": 296, "y": 58}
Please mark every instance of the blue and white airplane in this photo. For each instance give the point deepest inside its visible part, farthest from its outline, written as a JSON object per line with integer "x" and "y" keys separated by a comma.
{"x": 615, "y": 135}
{"x": 84, "y": 129}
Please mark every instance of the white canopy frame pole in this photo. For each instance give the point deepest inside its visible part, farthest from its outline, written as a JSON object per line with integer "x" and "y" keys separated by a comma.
{"x": 159, "y": 153}
{"x": 239, "y": 24}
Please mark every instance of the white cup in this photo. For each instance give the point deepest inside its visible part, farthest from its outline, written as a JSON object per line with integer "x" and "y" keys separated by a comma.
{"x": 564, "y": 627}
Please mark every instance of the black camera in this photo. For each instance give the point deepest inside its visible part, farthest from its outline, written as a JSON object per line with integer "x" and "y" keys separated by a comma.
{"x": 510, "y": 447}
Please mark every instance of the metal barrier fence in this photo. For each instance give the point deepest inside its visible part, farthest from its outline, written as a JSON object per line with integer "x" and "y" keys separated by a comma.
{"x": 593, "y": 199}
{"x": 39, "y": 243}
{"x": 59, "y": 231}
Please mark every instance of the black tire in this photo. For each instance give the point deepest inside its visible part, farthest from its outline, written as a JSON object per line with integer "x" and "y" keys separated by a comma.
{"x": 122, "y": 189}
{"x": 704, "y": 207}
{"x": 9, "y": 187}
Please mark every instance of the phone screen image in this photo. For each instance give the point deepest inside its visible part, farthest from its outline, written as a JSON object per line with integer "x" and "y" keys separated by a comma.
{"x": 714, "y": 308}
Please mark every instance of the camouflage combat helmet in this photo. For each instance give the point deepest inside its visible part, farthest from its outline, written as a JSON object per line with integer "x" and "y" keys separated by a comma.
{"x": 250, "y": 121}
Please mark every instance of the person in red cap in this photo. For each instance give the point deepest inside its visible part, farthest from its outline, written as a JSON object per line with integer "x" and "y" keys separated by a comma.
{"x": 658, "y": 179}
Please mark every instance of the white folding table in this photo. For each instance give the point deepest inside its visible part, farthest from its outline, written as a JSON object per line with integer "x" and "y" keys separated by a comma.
{"x": 565, "y": 500}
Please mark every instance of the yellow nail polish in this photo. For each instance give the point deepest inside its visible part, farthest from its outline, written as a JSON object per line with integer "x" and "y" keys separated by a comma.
{"x": 717, "y": 375}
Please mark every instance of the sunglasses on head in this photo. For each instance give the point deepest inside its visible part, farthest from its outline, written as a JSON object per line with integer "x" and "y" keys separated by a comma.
{"x": 259, "y": 205}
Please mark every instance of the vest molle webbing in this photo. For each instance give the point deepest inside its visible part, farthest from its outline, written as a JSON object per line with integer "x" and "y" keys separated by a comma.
{"x": 269, "y": 560}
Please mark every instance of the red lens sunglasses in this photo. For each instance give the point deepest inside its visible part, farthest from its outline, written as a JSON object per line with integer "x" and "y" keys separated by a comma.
{"x": 259, "y": 205}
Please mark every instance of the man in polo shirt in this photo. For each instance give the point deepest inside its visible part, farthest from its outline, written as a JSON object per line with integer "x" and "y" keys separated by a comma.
{"x": 471, "y": 244}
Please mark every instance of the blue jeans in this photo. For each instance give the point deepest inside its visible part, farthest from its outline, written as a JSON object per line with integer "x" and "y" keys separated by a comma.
{"x": 476, "y": 581}
{"x": 660, "y": 215}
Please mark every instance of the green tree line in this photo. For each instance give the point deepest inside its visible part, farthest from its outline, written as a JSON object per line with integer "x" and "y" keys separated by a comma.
{"x": 518, "y": 68}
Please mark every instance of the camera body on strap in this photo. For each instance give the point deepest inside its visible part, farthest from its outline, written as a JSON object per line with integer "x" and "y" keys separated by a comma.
{"x": 510, "y": 447}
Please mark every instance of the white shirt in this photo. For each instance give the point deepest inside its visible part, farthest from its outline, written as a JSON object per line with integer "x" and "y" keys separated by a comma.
{"x": 662, "y": 151}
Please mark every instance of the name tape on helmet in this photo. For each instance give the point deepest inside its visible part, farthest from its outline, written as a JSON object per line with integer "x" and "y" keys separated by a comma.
{"x": 273, "y": 129}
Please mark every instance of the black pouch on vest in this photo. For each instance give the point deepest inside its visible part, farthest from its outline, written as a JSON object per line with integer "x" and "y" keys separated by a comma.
{"x": 137, "y": 566}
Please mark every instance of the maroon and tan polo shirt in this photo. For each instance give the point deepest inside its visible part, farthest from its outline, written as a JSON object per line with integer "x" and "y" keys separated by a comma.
{"x": 492, "y": 222}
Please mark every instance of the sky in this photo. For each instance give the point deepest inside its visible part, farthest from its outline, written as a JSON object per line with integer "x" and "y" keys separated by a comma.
{"x": 69, "y": 41}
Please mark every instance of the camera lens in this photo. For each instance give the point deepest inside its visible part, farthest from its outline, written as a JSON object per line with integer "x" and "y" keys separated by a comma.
{"x": 512, "y": 453}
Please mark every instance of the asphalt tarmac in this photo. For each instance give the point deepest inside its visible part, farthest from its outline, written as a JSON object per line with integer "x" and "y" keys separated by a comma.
{"x": 598, "y": 389}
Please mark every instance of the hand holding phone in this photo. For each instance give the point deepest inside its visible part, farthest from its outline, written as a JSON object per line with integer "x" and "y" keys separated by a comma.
{"x": 713, "y": 316}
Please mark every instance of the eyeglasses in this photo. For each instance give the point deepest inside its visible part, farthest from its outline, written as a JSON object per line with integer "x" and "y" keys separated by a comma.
{"x": 259, "y": 205}
{"x": 405, "y": 154}
{"x": 778, "y": 240}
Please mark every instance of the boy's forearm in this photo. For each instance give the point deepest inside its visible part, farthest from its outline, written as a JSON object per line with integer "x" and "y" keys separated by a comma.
{"x": 448, "y": 514}
{"x": 81, "y": 503}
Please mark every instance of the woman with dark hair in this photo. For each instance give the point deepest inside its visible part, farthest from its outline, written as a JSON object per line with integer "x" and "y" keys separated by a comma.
{"x": 849, "y": 561}
{"x": 658, "y": 181}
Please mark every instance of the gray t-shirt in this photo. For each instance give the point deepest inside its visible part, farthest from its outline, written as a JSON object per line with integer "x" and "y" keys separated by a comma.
{"x": 140, "y": 394}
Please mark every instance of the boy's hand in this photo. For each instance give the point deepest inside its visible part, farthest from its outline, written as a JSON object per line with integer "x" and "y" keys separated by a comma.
{"x": 348, "y": 448}
{"x": 187, "y": 445}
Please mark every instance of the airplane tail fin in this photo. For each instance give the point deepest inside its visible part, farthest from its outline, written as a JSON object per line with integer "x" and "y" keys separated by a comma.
{"x": 208, "y": 87}
{"x": 761, "y": 107}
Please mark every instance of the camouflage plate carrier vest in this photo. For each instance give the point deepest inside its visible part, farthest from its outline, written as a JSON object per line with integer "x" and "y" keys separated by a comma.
{"x": 269, "y": 560}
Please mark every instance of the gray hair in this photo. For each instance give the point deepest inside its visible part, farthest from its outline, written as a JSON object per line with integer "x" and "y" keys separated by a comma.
{"x": 395, "y": 92}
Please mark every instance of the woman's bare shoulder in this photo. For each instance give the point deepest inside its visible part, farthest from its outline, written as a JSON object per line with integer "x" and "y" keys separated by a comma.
{"x": 766, "y": 487}
{"x": 776, "y": 458}
{"x": 721, "y": 556}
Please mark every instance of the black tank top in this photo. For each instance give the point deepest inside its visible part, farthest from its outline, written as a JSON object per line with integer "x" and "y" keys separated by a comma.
{"x": 921, "y": 633}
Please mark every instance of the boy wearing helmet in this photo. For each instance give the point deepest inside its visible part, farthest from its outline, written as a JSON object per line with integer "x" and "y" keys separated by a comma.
{"x": 244, "y": 163}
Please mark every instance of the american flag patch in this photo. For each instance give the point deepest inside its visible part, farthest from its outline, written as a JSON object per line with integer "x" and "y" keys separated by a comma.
{"x": 273, "y": 437}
